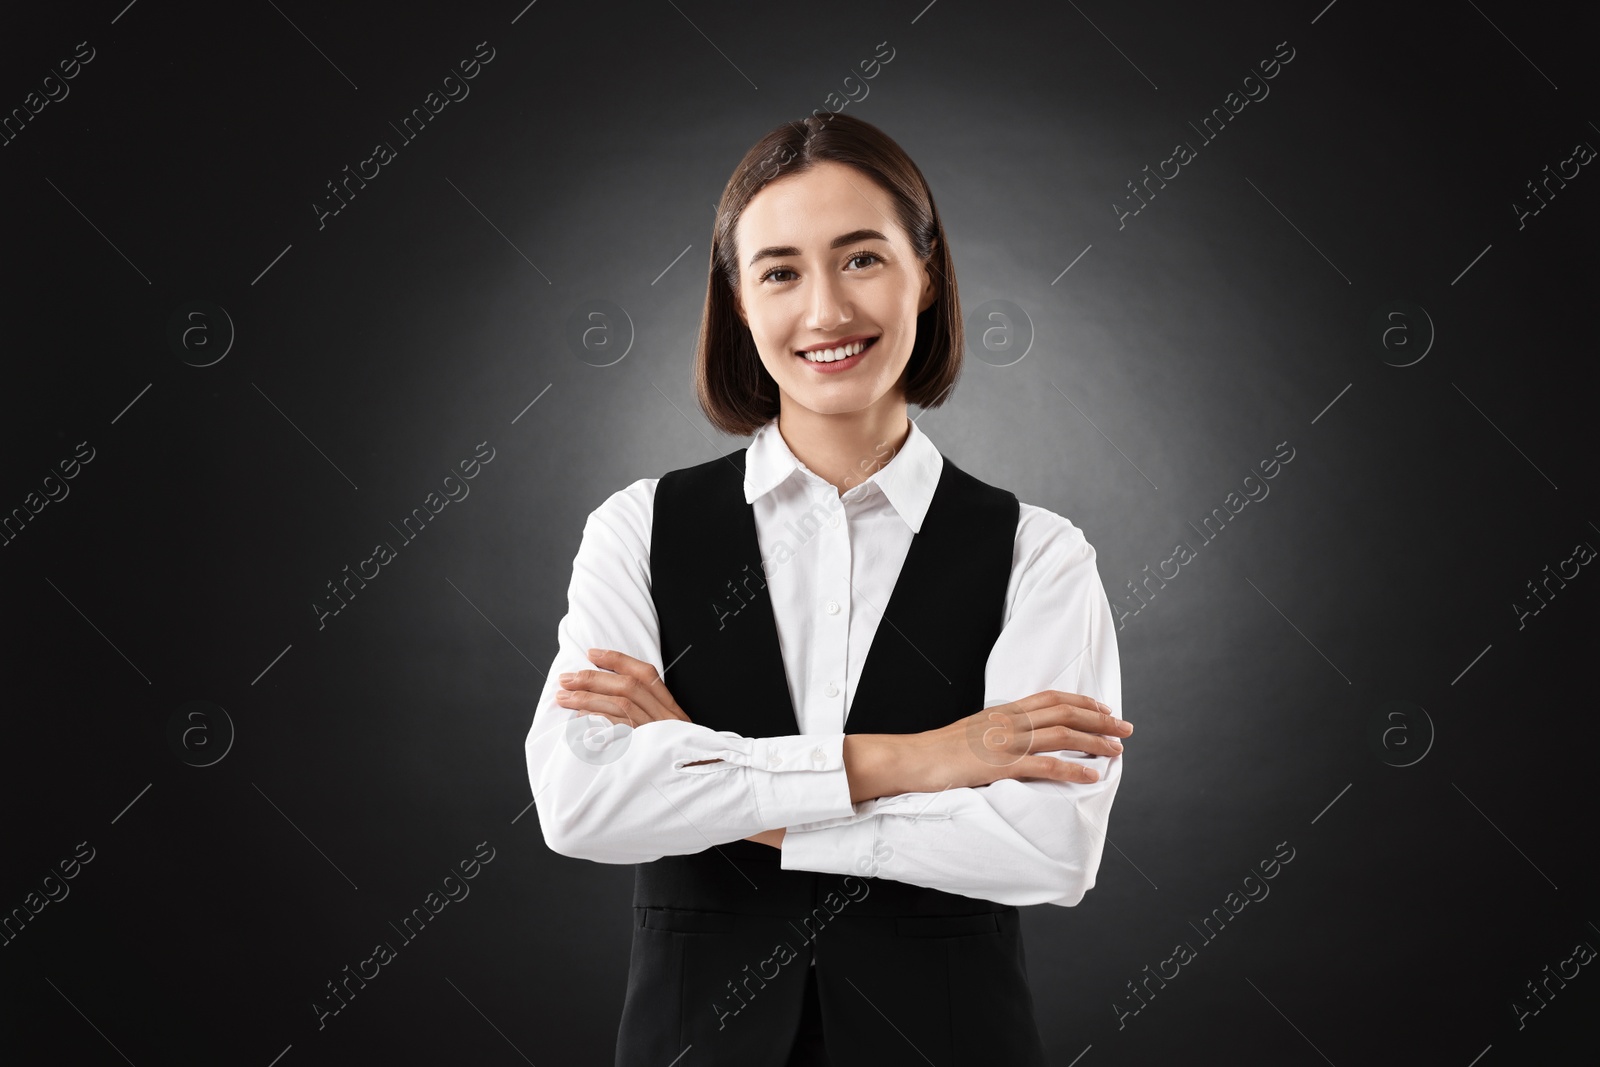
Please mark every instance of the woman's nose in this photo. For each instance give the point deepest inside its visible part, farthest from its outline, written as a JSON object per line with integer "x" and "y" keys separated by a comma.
{"x": 828, "y": 307}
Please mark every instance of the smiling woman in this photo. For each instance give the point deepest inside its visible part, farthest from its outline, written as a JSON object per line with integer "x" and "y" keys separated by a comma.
{"x": 875, "y": 271}
{"x": 908, "y": 688}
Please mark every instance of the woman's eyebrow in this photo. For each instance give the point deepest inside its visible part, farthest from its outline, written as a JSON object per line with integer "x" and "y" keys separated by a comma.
{"x": 843, "y": 239}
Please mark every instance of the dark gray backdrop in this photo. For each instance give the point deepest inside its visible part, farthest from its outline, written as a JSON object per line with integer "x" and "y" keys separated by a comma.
{"x": 1343, "y": 670}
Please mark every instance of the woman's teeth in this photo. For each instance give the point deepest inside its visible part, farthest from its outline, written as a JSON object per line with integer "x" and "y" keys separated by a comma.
{"x": 833, "y": 355}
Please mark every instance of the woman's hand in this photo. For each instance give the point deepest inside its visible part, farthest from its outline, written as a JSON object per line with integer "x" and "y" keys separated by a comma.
{"x": 769, "y": 837}
{"x": 625, "y": 690}
{"x": 630, "y": 691}
{"x": 1004, "y": 741}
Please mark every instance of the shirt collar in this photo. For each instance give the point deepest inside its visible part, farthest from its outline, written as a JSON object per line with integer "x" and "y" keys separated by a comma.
{"x": 908, "y": 480}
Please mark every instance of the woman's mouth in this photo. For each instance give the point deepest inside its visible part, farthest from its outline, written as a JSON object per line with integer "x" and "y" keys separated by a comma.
{"x": 834, "y": 360}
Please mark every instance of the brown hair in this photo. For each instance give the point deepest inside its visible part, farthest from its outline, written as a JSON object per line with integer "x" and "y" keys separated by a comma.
{"x": 734, "y": 389}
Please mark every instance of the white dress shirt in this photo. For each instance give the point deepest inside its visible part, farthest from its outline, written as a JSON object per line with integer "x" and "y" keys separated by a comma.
{"x": 619, "y": 794}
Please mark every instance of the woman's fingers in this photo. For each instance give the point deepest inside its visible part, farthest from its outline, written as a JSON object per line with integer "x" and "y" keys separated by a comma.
{"x": 1072, "y": 708}
{"x": 1050, "y": 697}
{"x": 1062, "y": 770}
{"x": 604, "y": 690}
{"x": 619, "y": 711}
{"x": 1013, "y": 737}
{"x": 1050, "y": 729}
{"x": 1055, "y": 708}
{"x": 1062, "y": 738}
{"x": 636, "y": 689}
{"x": 1014, "y": 742}
{"x": 644, "y": 675}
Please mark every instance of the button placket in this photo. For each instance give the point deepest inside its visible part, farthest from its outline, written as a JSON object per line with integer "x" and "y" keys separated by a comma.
{"x": 833, "y": 647}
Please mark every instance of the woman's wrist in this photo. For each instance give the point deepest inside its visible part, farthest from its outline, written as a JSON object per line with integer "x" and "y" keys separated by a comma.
{"x": 874, "y": 765}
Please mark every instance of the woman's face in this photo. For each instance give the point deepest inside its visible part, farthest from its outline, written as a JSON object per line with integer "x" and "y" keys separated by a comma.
{"x": 823, "y": 262}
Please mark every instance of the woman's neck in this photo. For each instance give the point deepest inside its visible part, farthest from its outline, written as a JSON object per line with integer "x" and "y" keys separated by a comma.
{"x": 845, "y": 449}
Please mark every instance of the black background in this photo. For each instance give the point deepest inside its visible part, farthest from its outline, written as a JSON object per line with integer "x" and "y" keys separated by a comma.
{"x": 372, "y": 354}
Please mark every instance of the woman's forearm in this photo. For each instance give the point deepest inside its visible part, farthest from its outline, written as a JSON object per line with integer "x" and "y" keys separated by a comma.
{"x": 874, "y": 766}
{"x": 1004, "y": 741}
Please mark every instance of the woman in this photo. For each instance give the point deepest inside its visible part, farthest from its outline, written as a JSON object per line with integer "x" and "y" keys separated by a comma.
{"x": 827, "y": 692}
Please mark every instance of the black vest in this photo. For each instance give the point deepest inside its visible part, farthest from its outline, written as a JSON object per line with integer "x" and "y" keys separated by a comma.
{"x": 707, "y": 924}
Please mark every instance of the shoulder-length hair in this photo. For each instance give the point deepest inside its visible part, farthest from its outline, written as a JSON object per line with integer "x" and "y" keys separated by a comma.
{"x": 734, "y": 389}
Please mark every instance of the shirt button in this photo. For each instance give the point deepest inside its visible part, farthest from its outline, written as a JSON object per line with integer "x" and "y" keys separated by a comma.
{"x": 817, "y": 755}
{"x": 833, "y": 607}
{"x": 834, "y": 522}
{"x": 774, "y": 760}
{"x": 832, "y": 690}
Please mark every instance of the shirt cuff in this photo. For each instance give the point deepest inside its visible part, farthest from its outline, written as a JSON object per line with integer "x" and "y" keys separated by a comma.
{"x": 800, "y": 778}
{"x": 840, "y": 849}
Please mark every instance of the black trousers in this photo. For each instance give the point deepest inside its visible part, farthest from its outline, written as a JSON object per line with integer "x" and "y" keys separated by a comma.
{"x": 810, "y": 1050}
{"x": 707, "y": 989}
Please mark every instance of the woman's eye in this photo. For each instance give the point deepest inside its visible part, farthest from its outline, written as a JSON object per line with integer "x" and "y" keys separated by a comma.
{"x": 772, "y": 275}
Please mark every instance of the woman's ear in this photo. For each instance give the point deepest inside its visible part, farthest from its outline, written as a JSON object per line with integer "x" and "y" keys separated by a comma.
{"x": 930, "y": 285}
